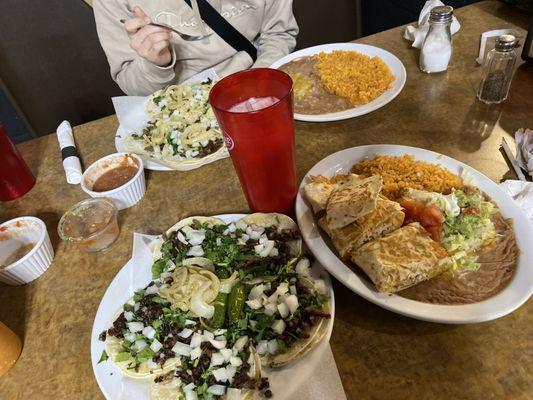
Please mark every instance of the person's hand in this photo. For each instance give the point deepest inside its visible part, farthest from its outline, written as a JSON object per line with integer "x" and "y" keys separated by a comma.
{"x": 150, "y": 42}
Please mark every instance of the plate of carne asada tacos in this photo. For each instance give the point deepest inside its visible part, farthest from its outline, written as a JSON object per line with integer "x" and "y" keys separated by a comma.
{"x": 210, "y": 309}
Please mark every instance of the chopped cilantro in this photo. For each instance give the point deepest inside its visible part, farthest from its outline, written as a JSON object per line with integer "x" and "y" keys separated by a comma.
{"x": 124, "y": 356}
{"x": 103, "y": 357}
{"x": 144, "y": 355}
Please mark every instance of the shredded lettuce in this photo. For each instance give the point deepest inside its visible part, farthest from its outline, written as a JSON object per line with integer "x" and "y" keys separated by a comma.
{"x": 467, "y": 226}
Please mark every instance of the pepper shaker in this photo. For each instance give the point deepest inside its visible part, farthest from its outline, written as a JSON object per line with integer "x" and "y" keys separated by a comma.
{"x": 436, "y": 50}
{"x": 498, "y": 70}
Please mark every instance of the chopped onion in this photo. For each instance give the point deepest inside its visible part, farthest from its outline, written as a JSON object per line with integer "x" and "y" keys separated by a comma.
{"x": 226, "y": 353}
{"x": 135, "y": 326}
{"x": 200, "y": 262}
{"x": 273, "y": 298}
{"x": 151, "y": 364}
{"x": 233, "y": 394}
{"x": 227, "y": 284}
{"x": 189, "y": 322}
{"x": 139, "y": 345}
{"x": 196, "y": 340}
{"x": 320, "y": 286}
{"x": 217, "y": 390}
{"x": 274, "y": 252}
{"x": 258, "y": 248}
{"x": 282, "y": 288}
{"x": 198, "y": 305}
{"x": 263, "y": 239}
{"x": 217, "y": 359}
{"x": 239, "y": 224}
{"x": 272, "y": 346}
{"x": 262, "y": 347}
{"x": 269, "y": 245}
{"x": 136, "y": 307}
{"x": 185, "y": 333}
{"x": 220, "y": 374}
{"x": 235, "y": 361}
{"x": 232, "y": 228}
{"x": 208, "y": 335}
{"x": 189, "y": 386}
{"x": 128, "y": 315}
{"x": 218, "y": 344}
{"x": 302, "y": 267}
{"x": 245, "y": 237}
{"x": 220, "y": 337}
{"x": 254, "y": 304}
{"x": 219, "y": 332}
{"x": 283, "y": 310}
{"x": 152, "y": 289}
{"x": 190, "y": 394}
{"x": 240, "y": 343}
{"x": 230, "y": 372}
{"x": 156, "y": 346}
{"x": 149, "y": 332}
{"x": 130, "y": 337}
{"x": 292, "y": 303}
{"x": 256, "y": 292}
{"x": 181, "y": 238}
{"x": 196, "y": 251}
{"x": 196, "y": 353}
{"x": 270, "y": 309}
{"x": 252, "y": 322}
{"x": 278, "y": 326}
{"x": 182, "y": 349}
{"x": 196, "y": 237}
{"x": 292, "y": 288}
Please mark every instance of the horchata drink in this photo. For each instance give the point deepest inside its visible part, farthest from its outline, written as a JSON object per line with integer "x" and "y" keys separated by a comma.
{"x": 10, "y": 347}
{"x": 254, "y": 111}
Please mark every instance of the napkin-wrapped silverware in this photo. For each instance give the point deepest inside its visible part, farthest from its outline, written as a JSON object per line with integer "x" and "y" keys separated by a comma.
{"x": 69, "y": 154}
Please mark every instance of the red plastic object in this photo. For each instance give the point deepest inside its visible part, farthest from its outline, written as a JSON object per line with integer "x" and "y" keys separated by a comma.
{"x": 261, "y": 142}
{"x": 16, "y": 178}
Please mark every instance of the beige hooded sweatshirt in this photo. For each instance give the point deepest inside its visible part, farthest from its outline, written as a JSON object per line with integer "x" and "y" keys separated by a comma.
{"x": 269, "y": 24}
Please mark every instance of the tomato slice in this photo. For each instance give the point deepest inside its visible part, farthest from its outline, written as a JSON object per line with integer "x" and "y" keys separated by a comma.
{"x": 430, "y": 217}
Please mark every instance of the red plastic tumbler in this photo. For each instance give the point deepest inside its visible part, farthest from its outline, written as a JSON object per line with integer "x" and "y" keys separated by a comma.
{"x": 261, "y": 141}
{"x": 15, "y": 177}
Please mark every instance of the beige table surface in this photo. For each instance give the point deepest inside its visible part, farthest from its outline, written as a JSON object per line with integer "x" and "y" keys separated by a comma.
{"x": 380, "y": 355}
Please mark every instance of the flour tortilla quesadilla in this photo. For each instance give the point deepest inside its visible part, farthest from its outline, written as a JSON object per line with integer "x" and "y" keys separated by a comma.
{"x": 352, "y": 201}
{"x": 402, "y": 258}
{"x": 320, "y": 188}
{"x": 387, "y": 217}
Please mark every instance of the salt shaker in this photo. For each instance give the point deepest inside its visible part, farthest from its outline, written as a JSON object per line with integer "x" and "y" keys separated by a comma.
{"x": 436, "y": 50}
{"x": 498, "y": 70}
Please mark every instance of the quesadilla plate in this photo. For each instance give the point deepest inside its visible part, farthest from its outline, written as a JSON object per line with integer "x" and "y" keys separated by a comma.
{"x": 494, "y": 303}
{"x": 139, "y": 272}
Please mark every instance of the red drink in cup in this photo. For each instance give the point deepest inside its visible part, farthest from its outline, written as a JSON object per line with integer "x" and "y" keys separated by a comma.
{"x": 254, "y": 111}
{"x": 15, "y": 177}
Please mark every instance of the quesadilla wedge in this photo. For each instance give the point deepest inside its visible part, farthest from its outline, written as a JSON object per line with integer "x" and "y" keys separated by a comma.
{"x": 349, "y": 202}
{"x": 387, "y": 217}
{"x": 320, "y": 188}
{"x": 402, "y": 258}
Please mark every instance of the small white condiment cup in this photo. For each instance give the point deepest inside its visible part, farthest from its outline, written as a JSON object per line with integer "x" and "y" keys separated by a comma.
{"x": 14, "y": 235}
{"x": 124, "y": 196}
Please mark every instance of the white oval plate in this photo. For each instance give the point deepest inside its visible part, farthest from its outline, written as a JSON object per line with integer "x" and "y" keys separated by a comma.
{"x": 113, "y": 384}
{"x": 395, "y": 65}
{"x": 509, "y": 299}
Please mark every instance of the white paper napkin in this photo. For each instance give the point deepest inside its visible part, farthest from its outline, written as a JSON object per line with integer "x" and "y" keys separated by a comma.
{"x": 71, "y": 164}
{"x": 524, "y": 149}
{"x": 418, "y": 34}
{"x": 522, "y": 194}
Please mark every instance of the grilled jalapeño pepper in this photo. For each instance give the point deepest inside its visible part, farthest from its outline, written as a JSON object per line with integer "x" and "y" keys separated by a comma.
{"x": 236, "y": 303}
{"x": 220, "y": 310}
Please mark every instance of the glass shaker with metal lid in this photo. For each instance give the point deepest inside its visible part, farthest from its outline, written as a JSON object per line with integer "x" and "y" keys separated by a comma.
{"x": 436, "y": 50}
{"x": 498, "y": 70}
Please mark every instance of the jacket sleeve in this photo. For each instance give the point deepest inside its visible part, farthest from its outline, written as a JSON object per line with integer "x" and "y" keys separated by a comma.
{"x": 135, "y": 75}
{"x": 278, "y": 32}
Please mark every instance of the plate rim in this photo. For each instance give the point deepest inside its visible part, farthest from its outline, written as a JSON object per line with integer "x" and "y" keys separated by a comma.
{"x": 320, "y": 249}
{"x": 96, "y": 345}
{"x": 352, "y": 112}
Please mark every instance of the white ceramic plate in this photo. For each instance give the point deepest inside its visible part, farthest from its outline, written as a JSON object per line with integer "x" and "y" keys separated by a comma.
{"x": 395, "y": 65}
{"x": 113, "y": 384}
{"x": 513, "y": 296}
